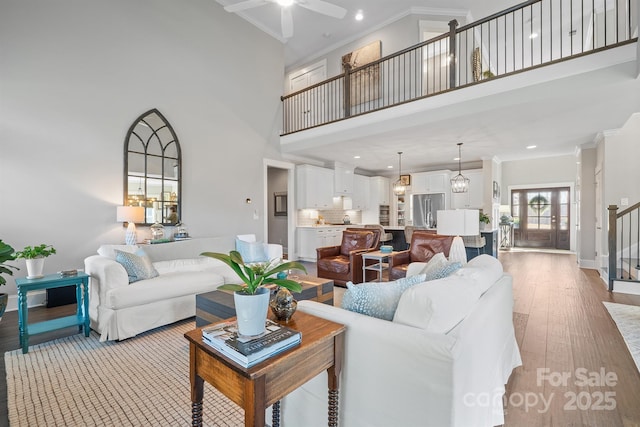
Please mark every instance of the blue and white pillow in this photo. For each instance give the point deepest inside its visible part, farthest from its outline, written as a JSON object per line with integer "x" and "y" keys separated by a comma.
{"x": 138, "y": 265}
{"x": 377, "y": 299}
{"x": 252, "y": 251}
{"x": 445, "y": 270}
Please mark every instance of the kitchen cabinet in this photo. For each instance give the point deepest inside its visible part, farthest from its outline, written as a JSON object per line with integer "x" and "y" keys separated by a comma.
{"x": 360, "y": 196}
{"x": 343, "y": 179}
{"x": 314, "y": 187}
{"x": 475, "y": 196}
{"x": 430, "y": 182}
{"x": 310, "y": 238}
{"x": 380, "y": 191}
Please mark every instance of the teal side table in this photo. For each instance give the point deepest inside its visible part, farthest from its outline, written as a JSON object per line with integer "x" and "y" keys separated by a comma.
{"x": 81, "y": 318}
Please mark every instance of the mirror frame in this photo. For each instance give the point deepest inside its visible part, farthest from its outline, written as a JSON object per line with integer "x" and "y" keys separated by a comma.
{"x": 154, "y": 138}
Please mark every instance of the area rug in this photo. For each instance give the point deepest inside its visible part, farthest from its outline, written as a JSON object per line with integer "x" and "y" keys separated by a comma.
{"x": 141, "y": 381}
{"x": 627, "y": 318}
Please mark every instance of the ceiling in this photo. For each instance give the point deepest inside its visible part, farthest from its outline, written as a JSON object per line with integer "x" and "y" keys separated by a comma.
{"x": 556, "y": 108}
{"x": 317, "y": 33}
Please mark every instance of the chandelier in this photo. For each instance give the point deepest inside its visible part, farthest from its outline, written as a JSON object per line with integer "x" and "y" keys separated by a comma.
{"x": 399, "y": 187}
{"x": 459, "y": 183}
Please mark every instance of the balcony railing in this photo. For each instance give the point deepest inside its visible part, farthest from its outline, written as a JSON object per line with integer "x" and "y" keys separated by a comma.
{"x": 526, "y": 36}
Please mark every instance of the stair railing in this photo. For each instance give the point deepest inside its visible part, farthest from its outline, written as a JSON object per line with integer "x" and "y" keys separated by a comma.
{"x": 624, "y": 236}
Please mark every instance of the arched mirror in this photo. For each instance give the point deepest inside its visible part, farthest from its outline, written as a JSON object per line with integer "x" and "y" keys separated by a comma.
{"x": 153, "y": 169}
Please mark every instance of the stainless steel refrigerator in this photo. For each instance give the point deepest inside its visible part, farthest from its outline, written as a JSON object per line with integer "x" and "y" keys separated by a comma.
{"x": 425, "y": 208}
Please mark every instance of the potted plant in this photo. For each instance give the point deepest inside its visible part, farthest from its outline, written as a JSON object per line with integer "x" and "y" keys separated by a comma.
{"x": 484, "y": 221}
{"x": 251, "y": 298}
{"x": 34, "y": 256}
{"x": 6, "y": 254}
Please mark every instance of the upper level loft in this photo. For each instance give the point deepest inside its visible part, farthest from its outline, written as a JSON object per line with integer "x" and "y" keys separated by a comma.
{"x": 526, "y": 37}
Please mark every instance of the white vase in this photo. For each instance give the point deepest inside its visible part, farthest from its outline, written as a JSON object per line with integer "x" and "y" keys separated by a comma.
{"x": 251, "y": 311}
{"x": 34, "y": 268}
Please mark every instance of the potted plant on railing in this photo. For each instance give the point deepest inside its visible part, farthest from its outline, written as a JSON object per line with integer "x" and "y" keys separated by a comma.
{"x": 484, "y": 221}
{"x": 34, "y": 257}
{"x": 251, "y": 298}
{"x": 6, "y": 254}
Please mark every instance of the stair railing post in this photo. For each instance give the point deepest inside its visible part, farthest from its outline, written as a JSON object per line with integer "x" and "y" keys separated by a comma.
{"x": 347, "y": 89}
{"x": 453, "y": 25}
{"x": 613, "y": 247}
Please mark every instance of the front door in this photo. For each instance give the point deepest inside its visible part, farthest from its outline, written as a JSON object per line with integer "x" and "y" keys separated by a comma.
{"x": 541, "y": 217}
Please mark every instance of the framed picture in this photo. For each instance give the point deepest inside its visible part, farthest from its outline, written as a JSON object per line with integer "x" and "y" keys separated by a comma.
{"x": 496, "y": 190}
{"x": 280, "y": 203}
{"x": 405, "y": 179}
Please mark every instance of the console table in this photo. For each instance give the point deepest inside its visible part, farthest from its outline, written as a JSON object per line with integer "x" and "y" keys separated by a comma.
{"x": 51, "y": 281}
{"x": 264, "y": 384}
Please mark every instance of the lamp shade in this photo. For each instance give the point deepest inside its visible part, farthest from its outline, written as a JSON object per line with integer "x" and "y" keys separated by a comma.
{"x": 459, "y": 222}
{"x": 132, "y": 214}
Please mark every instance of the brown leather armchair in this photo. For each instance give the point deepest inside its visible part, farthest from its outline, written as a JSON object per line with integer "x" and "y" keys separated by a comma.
{"x": 424, "y": 245}
{"x": 344, "y": 263}
{"x": 376, "y": 234}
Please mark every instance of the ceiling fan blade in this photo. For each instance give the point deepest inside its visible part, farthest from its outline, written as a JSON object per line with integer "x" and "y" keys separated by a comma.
{"x": 324, "y": 7}
{"x": 243, "y": 5}
{"x": 286, "y": 19}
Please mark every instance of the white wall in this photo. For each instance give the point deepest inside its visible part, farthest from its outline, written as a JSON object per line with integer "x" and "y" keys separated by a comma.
{"x": 620, "y": 164}
{"x": 586, "y": 250}
{"x": 73, "y": 77}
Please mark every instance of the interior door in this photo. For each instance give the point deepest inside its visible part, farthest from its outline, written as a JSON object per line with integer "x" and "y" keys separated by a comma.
{"x": 310, "y": 104}
{"x": 542, "y": 217}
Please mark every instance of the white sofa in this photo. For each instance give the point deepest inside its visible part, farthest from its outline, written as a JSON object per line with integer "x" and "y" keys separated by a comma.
{"x": 120, "y": 310}
{"x": 418, "y": 373}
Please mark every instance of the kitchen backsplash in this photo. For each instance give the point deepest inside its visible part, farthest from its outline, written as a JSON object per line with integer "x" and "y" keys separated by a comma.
{"x": 307, "y": 217}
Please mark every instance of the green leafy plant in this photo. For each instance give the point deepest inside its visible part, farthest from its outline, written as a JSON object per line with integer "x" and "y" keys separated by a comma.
{"x": 6, "y": 254}
{"x": 40, "y": 251}
{"x": 256, "y": 275}
{"x": 484, "y": 218}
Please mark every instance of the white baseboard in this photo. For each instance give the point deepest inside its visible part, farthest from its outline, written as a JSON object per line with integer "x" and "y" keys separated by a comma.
{"x": 626, "y": 287}
{"x": 587, "y": 263}
{"x": 34, "y": 299}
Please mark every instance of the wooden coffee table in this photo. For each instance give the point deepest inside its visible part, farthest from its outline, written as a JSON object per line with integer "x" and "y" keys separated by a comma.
{"x": 214, "y": 306}
{"x": 262, "y": 385}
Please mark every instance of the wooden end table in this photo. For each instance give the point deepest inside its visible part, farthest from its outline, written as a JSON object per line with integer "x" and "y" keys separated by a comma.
{"x": 262, "y": 385}
{"x": 81, "y": 318}
{"x": 214, "y": 306}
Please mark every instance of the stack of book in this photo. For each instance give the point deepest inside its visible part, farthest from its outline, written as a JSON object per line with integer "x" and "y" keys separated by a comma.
{"x": 247, "y": 351}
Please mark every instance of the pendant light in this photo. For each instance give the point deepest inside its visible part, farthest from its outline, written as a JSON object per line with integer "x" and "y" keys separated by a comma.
{"x": 399, "y": 187}
{"x": 459, "y": 183}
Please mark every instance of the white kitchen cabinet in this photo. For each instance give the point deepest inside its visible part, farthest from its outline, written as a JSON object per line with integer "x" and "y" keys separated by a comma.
{"x": 343, "y": 179}
{"x": 475, "y": 196}
{"x": 380, "y": 191}
{"x": 360, "y": 196}
{"x": 314, "y": 187}
{"x": 430, "y": 182}
{"x": 310, "y": 238}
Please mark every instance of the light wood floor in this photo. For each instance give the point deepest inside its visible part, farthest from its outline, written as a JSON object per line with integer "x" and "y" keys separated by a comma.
{"x": 560, "y": 323}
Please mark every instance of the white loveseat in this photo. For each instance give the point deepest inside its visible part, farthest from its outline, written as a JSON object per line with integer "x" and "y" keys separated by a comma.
{"x": 418, "y": 373}
{"x": 120, "y": 310}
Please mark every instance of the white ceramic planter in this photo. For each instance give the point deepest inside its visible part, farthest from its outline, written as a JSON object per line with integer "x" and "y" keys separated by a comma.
{"x": 34, "y": 268}
{"x": 251, "y": 311}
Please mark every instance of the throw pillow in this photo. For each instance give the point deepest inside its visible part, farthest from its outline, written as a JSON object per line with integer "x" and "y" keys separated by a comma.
{"x": 252, "y": 251}
{"x": 444, "y": 270}
{"x": 138, "y": 265}
{"x": 377, "y": 299}
{"x": 435, "y": 263}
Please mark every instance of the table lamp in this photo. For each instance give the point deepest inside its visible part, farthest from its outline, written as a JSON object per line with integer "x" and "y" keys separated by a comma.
{"x": 459, "y": 222}
{"x": 131, "y": 215}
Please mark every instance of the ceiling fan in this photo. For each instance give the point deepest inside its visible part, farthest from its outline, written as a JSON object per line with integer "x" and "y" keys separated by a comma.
{"x": 286, "y": 18}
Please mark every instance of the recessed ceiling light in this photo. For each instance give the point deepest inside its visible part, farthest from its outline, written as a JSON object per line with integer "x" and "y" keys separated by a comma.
{"x": 285, "y": 2}
{"x": 356, "y": 157}
{"x": 389, "y": 167}
{"x": 455, "y": 159}
{"x": 359, "y": 16}
{"x": 531, "y": 147}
